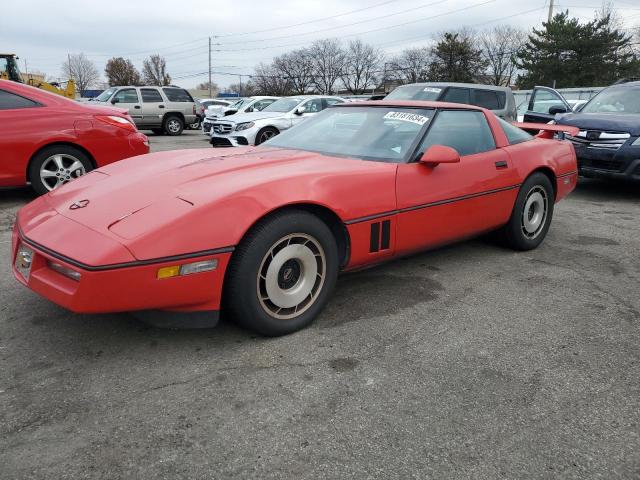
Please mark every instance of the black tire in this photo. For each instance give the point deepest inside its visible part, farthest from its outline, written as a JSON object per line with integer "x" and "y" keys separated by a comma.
{"x": 195, "y": 125}
{"x": 173, "y": 125}
{"x": 157, "y": 131}
{"x": 265, "y": 134}
{"x": 253, "y": 262}
{"x": 520, "y": 233}
{"x": 63, "y": 173}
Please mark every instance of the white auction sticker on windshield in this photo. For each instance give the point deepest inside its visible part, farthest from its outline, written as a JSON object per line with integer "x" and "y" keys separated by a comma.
{"x": 407, "y": 117}
{"x": 432, "y": 90}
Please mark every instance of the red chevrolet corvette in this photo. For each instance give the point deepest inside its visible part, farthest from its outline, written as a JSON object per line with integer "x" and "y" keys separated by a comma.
{"x": 262, "y": 232}
{"x": 48, "y": 140}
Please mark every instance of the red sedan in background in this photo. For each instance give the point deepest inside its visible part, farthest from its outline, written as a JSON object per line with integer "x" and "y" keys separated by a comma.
{"x": 48, "y": 140}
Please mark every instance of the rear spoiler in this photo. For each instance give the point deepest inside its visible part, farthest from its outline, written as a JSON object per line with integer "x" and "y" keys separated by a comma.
{"x": 547, "y": 130}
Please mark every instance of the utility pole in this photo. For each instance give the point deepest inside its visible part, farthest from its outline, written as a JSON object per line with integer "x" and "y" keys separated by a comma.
{"x": 240, "y": 92}
{"x": 550, "y": 11}
{"x": 210, "y": 67}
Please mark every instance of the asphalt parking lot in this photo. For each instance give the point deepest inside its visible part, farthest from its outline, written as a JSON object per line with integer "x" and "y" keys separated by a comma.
{"x": 471, "y": 361}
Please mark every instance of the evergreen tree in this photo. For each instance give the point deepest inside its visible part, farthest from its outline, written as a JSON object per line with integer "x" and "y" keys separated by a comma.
{"x": 570, "y": 54}
{"x": 456, "y": 58}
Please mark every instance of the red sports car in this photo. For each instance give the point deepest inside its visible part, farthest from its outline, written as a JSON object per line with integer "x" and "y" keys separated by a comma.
{"x": 262, "y": 232}
{"x": 48, "y": 140}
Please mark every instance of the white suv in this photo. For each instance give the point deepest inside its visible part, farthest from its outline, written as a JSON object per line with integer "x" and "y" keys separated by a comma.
{"x": 257, "y": 127}
{"x": 244, "y": 105}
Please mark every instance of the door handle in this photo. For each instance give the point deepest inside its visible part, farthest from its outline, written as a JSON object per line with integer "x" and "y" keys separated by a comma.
{"x": 160, "y": 106}
{"x": 502, "y": 164}
{"x": 137, "y": 106}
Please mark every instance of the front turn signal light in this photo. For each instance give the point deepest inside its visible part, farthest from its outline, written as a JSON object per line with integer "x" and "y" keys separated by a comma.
{"x": 187, "y": 268}
{"x": 168, "y": 272}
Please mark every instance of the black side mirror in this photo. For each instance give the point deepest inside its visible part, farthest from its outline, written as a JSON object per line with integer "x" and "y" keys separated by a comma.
{"x": 114, "y": 101}
{"x": 557, "y": 109}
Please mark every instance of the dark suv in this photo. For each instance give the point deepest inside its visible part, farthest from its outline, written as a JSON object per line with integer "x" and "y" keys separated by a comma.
{"x": 608, "y": 144}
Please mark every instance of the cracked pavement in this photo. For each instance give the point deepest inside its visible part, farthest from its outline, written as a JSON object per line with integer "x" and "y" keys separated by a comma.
{"x": 469, "y": 362}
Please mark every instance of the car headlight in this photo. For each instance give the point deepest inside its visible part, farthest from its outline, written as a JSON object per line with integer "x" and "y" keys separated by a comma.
{"x": 636, "y": 142}
{"x": 244, "y": 126}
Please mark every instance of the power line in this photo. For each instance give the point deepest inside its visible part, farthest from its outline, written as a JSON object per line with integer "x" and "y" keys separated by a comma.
{"x": 367, "y": 31}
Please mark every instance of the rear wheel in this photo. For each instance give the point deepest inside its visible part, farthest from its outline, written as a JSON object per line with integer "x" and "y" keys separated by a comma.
{"x": 173, "y": 125}
{"x": 56, "y": 165}
{"x": 532, "y": 214}
{"x": 282, "y": 273}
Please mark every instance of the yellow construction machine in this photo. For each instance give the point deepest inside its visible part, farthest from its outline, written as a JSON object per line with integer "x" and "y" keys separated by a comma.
{"x": 9, "y": 71}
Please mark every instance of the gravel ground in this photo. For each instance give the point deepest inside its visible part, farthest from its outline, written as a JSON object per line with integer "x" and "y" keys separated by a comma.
{"x": 469, "y": 362}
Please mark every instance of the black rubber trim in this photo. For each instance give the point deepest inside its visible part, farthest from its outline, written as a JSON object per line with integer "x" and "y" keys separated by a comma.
{"x": 374, "y": 243}
{"x": 386, "y": 235}
{"x": 431, "y": 204}
{"x": 115, "y": 266}
{"x": 502, "y": 164}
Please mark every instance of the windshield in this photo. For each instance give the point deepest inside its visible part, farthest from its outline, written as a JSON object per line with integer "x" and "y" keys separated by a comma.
{"x": 428, "y": 93}
{"x": 386, "y": 134}
{"x": 284, "y": 105}
{"x": 104, "y": 96}
{"x": 615, "y": 100}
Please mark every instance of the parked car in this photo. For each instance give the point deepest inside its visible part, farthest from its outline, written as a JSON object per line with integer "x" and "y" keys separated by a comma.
{"x": 499, "y": 100}
{"x": 608, "y": 141}
{"x": 201, "y": 107}
{"x": 48, "y": 140}
{"x": 258, "y": 127}
{"x": 245, "y": 105}
{"x": 159, "y": 109}
{"x": 358, "y": 184}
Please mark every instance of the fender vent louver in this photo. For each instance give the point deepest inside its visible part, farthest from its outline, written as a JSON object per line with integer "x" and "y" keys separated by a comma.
{"x": 380, "y": 236}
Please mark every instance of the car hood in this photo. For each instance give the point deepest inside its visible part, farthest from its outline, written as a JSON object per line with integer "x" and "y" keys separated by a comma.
{"x": 602, "y": 121}
{"x": 252, "y": 117}
{"x": 155, "y": 194}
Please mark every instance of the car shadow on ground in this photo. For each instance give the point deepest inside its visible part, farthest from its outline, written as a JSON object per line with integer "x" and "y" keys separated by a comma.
{"x": 607, "y": 190}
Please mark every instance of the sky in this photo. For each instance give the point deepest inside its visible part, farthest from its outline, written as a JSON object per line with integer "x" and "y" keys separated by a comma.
{"x": 247, "y": 32}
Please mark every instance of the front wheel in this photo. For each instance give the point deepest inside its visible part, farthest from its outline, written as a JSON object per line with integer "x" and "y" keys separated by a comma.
{"x": 532, "y": 214}
{"x": 282, "y": 273}
{"x": 56, "y": 165}
{"x": 265, "y": 134}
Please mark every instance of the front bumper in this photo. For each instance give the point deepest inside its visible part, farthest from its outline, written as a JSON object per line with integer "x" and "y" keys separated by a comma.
{"x": 620, "y": 164}
{"x": 131, "y": 286}
{"x": 234, "y": 139}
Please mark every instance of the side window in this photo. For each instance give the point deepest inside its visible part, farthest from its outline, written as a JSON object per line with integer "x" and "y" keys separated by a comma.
{"x": 177, "y": 94}
{"x": 513, "y": 133}
{"x": 262, "y": 104}
{"x": 486, "y": 99}
{"x": 313, "y": 106}
{"x": 126, "y": 95}
{"x": 9, "y": 101}
{"x": 456, "y": 95}
{"x": 333, "y": 101}
{"x": 543, "y": 100}
{"x": 151, "y": 95}
{"x": 466, "y": 131}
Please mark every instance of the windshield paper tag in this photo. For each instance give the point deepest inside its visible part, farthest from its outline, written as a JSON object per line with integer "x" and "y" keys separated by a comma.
{"x": 432, "y": 90}
{"x": 407, "y": 117}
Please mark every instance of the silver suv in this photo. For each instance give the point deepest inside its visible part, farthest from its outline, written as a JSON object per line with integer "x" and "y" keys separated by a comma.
{"x": 159, "y": 109}
{"x": 499, "y": 100}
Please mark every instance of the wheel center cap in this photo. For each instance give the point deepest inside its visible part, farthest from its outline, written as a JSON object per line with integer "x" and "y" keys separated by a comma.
{"x": 289, "y": 274}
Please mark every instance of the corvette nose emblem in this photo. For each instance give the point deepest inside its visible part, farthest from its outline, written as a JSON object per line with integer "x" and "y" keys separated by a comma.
{"x": 78, "y": 204}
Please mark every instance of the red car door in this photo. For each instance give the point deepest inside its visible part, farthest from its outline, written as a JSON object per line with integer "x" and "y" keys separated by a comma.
{"x": 17, "y": 114}
{"x": 440, "y": 204}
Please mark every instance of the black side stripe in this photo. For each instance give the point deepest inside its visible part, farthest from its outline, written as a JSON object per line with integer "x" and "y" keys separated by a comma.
{"x": 431, "y": 204}
{"x": 114, "y": 266}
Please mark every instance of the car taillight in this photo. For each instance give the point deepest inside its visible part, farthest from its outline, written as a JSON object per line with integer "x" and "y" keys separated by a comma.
{"x": 120, "y": 122}
{"x": 194, "y": 109}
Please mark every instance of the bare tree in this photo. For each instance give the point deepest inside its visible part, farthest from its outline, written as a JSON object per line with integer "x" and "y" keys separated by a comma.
{"x": 500, "y": 47}
{"x": 360, "y": 66}
{"x": 205, "y": 86}
{"x": 154, "y": 71}
{"x": 269, "y": 81}
{"x": 328, "y": 61}
{"x": 298, "y": 67}
{"x": 81, "y": 70}
{"x": 121, "y": 72}
{"x": 411, "y": 66}
{"x": 246, "y": 89}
